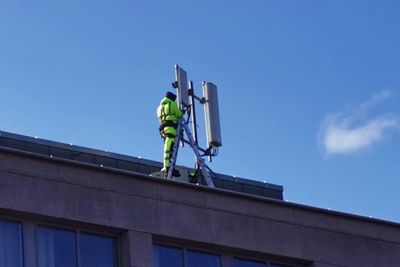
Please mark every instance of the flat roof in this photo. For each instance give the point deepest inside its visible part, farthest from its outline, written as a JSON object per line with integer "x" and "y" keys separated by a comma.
{"x": 128, "y": 163}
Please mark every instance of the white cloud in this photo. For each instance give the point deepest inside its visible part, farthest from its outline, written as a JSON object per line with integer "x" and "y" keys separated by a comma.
{"x": 375, "y": 100}
{"x": 348, "y": 132}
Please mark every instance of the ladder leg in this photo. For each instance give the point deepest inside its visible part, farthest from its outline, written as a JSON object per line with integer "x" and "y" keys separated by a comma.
{"x": 200, "y": 160}
{"x": 181, "y": 129}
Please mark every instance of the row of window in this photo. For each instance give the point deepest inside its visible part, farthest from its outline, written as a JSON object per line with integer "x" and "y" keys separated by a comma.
{"x": 57, "y": 247}
{"x": 167, "y": 256}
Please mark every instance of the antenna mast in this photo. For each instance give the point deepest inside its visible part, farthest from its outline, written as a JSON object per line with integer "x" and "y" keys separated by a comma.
{"x": 209, "y": 100}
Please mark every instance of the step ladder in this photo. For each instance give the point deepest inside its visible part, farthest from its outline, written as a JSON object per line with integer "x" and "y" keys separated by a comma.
{"x": 182, "y": 130}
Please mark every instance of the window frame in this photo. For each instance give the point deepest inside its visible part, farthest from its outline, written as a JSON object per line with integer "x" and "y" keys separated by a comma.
{"x": 77, "y": 232}
{"x": 28, "y": 236}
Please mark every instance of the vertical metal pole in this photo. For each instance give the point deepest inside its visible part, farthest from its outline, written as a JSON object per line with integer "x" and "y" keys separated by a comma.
{"x": 194, "y": 121}
{"x": 193, "y": 111}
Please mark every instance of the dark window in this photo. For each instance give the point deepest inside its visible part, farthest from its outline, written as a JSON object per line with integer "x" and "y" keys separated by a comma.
{"x": 10, "y": 244}
{"x": 96, "y": 251}
{"x": 167, "y": 256}
{"x": 200, "y": 259}
{"x": 56, "y": 247}
{"x": 247, "y": 263}
{"x": 59, "y": 248}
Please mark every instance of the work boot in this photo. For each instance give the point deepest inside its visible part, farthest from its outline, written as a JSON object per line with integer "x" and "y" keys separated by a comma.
{"x": 175, "y": 172}
{"x": 193, "y": 178}
{"x": 164, "y": 171}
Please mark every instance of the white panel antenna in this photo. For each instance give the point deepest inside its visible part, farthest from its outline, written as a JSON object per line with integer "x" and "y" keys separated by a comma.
{"x": 211, "y": 111}
{"x": 182, "y": 87}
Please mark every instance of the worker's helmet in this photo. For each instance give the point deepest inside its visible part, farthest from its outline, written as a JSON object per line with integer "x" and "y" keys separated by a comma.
{"x": 170, "y": 95}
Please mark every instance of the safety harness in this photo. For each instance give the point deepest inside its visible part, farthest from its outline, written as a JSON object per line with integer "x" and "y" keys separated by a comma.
{"x": 166, "y": 123}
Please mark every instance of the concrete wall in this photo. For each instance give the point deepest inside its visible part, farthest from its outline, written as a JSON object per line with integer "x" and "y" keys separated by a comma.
{"x": 142, "y": 209}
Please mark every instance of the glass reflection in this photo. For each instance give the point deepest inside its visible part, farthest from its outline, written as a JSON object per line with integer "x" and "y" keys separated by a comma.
{"x": 96, "y": 251}
{"x": 10, "y": 244}
{"x": 56, "y": 247}
{"x": 200, "y": 259}
{"x": 167, "y": 256}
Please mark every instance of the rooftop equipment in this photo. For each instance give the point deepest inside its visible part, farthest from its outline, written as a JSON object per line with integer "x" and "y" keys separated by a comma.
{"x": 185, "y": 91}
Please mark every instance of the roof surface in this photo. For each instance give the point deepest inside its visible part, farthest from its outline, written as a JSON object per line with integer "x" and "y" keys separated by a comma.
{"x": 128, "y": 163}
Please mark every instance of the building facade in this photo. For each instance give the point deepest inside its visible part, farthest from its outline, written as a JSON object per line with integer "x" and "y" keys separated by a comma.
{"x": 62, "y": 206}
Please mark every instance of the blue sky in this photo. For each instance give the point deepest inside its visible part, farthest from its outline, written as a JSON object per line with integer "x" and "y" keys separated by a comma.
{"x": 309, "y": 90}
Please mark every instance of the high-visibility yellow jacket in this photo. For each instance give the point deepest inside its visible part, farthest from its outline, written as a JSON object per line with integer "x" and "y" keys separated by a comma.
{"x": 168, "y": 111}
